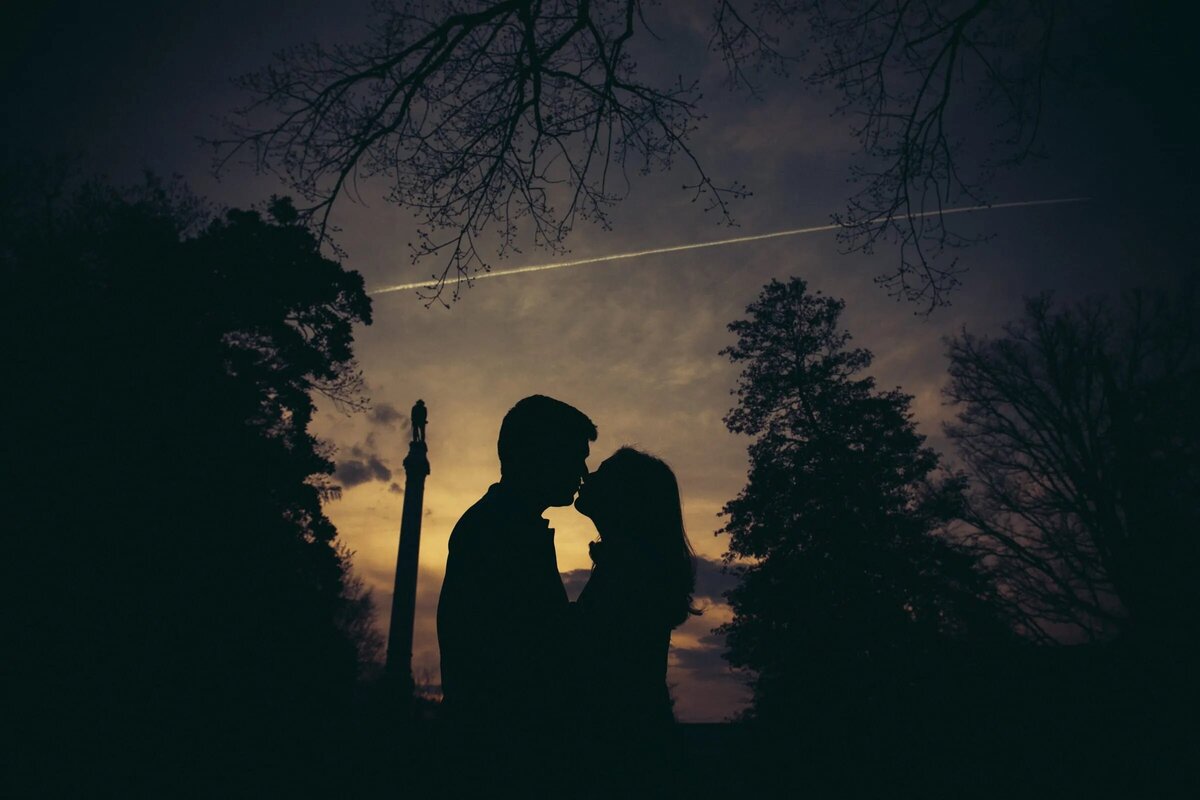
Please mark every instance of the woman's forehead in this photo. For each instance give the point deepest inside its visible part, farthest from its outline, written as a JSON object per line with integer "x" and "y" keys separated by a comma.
{"x": 619, "y": 459}
{"x": 610, "y": 464}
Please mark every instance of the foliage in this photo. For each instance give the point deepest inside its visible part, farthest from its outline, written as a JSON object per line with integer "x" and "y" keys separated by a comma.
{"x": 1077, "y": 426}
{"x": 198, "y": 616}
{"x": 845, "y": 580}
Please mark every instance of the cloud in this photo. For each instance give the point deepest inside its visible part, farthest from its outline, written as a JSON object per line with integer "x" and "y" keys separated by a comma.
{"x": 355, "y": 471}
{"x": 365, "y": 464}
{"x": 707, "y": 661}
{"x": 705, "y": 687}
{"x": 575, "y": 580}
{"x": 387, "y": 414}
{"x": 712, "y": 581}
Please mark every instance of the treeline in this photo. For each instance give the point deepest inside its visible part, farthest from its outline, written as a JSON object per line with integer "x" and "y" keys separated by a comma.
{"x": 1020, "y": 617}
{"x": 185, "y": 619}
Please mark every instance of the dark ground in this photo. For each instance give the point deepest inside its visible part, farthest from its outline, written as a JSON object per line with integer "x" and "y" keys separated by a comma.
{"x": 1067, "y": 722}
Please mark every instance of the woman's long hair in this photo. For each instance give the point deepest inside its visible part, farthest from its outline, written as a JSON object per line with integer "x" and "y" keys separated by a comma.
{"x": 654, "y": 515}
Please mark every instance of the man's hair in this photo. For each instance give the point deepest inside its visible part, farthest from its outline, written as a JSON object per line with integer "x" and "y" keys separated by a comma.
{"x": 539, "y": 422}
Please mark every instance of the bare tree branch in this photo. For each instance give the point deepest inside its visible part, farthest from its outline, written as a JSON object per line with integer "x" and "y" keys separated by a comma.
{"x": 492, "y": 121}
{"x": 1074, "y": 429}
{"x": 481, "y": 115}
{"x": 911, "y": 74}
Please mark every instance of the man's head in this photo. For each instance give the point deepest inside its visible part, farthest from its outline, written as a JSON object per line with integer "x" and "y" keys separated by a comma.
{"x": 543, "y": 449}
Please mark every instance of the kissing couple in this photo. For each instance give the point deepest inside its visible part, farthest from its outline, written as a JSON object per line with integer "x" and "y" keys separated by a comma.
{"x": 541, "y": 693}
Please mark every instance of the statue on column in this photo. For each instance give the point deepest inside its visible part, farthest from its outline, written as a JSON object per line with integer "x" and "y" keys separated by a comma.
{"x": 419, "y": 417}
{"x": 404, "y": 598}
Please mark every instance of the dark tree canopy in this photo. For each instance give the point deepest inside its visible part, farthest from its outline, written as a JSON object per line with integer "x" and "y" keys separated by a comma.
{"x": 847, "y": 589}
{"x": 198, "y": 626}
{"x": 877, "y": 629}
{"x": 1078, "y": 428}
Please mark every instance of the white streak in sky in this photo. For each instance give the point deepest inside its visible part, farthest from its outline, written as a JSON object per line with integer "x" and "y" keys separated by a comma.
{"x": 430, "y": 284}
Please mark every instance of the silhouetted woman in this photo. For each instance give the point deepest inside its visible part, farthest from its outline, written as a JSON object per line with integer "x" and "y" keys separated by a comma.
{"x": 639, "y": 590}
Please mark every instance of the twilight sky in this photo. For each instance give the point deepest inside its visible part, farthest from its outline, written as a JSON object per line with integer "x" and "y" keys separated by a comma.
{"x": 634, "y": 343}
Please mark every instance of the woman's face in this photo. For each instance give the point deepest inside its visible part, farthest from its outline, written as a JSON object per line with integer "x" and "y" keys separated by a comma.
{"x": 599, "y": 497}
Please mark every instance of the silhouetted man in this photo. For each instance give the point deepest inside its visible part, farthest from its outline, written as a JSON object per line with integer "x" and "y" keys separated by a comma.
{"x": 502, "y": 612}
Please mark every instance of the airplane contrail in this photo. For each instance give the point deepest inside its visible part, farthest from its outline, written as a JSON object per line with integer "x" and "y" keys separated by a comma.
{"x": 500, "y": 273}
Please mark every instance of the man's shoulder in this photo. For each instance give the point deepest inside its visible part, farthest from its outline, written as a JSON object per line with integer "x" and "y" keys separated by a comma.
{"x": 485, "y": 517}
{"x": 483, "y": 511}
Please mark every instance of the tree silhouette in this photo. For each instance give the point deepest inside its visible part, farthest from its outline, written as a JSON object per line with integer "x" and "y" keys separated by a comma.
{"x": 1077, "y": 426}
{"x": 197, "y": 627}
{"x": 486, "y": 116}
{"x": 848, "y": 594}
